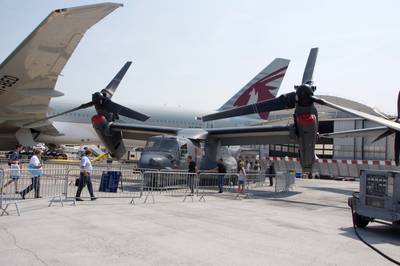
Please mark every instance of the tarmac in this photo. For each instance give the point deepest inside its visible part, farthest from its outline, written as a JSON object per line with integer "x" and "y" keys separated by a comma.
{"x": 308, "y": 226}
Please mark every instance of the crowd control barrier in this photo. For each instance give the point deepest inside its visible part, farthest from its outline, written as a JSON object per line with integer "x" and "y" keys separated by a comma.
{"x": 62, "y": 185}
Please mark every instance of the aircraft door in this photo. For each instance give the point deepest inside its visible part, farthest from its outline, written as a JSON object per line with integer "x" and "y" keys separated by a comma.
{"x": 182, "y": 153}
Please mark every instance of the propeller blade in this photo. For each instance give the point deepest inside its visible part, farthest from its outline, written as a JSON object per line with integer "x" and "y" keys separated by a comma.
{"x": 309, "y": 70}
{"x": 116, "y": 108}
{"x": 397, "y": 147}
{"x": 384, "y": 134}
{"x": 285, "y": 101}
{"x": 374, "y": 118}
{"x": 113, "y": 85}
{"x": 82, "y": 106}
{"x": 398, "y": 106}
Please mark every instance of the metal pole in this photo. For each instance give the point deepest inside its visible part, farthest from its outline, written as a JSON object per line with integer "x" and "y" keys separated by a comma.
{"x": 66, "y": 184}
{"x": 2, "y": 185}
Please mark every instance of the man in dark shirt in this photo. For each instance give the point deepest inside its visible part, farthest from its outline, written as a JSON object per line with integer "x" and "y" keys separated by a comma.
{"x": 222, "y": 170}
{"x": 192, "y": 170}
{"x": 14, "y": 156}
{"x": 271, "y": 174}
{"x": 238, "y": 163}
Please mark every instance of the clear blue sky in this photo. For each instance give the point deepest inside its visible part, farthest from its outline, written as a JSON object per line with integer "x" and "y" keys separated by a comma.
{"x": 197, "y": 54}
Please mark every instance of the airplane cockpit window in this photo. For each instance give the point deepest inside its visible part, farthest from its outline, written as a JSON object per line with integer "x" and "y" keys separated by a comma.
{"x": 153, "y": 144}
{"x": 169, "y": 145}
{"x": 162, "y": 144}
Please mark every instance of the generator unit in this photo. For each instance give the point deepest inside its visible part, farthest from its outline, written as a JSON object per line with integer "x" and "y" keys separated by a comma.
{"x": 379, "y": 197}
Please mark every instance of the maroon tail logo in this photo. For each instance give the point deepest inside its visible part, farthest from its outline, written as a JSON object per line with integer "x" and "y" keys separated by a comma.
{"x": 261, "y": 90}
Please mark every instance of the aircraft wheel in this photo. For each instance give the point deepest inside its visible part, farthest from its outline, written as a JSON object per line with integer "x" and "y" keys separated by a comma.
{"x": 360, "y": 221}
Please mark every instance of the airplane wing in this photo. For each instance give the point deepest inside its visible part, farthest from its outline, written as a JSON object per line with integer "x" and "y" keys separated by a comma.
{"x": 28, "y": 76}
{"x": 141, "y": 131}
{"x": 364, "y": 132}
{"x": 377, "y": 119}
{"x": 253, "y": 135}
{"x": 227, "y": 136}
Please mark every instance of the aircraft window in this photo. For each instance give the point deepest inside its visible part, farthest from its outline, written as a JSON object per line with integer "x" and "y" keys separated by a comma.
{"x": 162, "y": 144}
{"x": 169, "y": 145}
{"x": 153, "y": 144}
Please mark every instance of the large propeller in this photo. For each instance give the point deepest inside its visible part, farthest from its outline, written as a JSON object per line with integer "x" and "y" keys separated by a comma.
{"x": 103, "y": 104}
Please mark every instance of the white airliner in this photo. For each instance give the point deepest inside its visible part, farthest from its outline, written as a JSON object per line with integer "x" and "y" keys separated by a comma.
{"x": 28, "y": 77}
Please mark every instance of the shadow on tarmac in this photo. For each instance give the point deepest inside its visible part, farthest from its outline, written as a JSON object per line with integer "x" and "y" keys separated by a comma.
{"x": 375, "y": 234}
{"x": 347, "y": 192}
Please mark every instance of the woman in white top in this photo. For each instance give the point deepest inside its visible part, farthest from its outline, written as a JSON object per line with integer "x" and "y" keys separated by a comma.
{"x": 241, "y": 177}
{"x": 35, "y": 168}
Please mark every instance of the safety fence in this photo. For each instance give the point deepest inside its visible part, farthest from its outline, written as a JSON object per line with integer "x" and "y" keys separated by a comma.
{"x": 64, "y": 184}
{"x": 70, "y": 165}
{"x": 332, "y": 168}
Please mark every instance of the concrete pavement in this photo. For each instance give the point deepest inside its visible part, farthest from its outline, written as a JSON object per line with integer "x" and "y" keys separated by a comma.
{"x": 309, "y": 226}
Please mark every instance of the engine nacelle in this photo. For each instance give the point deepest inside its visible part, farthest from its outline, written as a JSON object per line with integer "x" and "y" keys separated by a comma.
{"x": 307, "y": 127}
{"x": 112, "y": 140}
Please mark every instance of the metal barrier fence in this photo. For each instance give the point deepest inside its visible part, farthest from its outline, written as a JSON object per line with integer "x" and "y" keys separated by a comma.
{"x": 105, "y": 183}
{"x": 170, "y": 184}
{"x": 71, "y": 165}
{"x": 285, "y": 181}
{"x": 16, "y": 185}
{"x": 66, "y": 184}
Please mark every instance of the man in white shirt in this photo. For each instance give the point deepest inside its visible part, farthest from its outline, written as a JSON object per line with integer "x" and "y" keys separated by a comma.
{"x": 84, "y": 179}
{"x": 35, "y": 168}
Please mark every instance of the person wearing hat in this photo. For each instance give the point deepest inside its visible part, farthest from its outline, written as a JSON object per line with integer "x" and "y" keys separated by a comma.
{"x": 85, "y": 176}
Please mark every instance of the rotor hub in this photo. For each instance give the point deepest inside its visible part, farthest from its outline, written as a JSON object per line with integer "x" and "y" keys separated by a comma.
{"x": 304, "y": 93}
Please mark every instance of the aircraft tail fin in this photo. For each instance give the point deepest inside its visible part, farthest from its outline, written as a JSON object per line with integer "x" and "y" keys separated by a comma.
{"x": 262, "y": 87}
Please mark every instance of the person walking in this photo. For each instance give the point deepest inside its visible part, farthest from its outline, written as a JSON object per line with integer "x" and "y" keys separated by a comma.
{"x": 221, "y": 169}
{"x": 35, "y": 169}
{"x": 271, "y": 174}
{"x": 238, "y": 163}
{"x": 241, "y": 178}
{"x": 192, "y": 169}
{"x": 248, "y": 166}
{"x": 256, "y": 167}
{"x": 15, "y": 171}
{"x": 85, "y": 176}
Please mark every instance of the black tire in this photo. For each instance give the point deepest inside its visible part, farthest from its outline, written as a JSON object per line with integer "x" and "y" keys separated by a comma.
{"x": 360, "y": 221}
